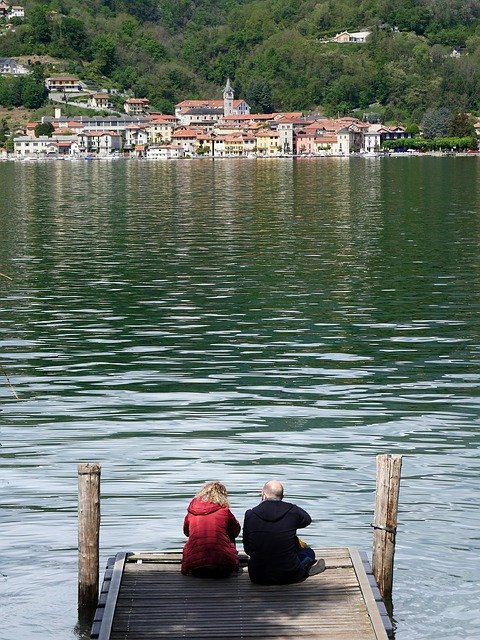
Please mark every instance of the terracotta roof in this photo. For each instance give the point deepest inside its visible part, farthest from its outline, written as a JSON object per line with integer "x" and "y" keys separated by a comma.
{"x": 289, "y": 117}
{"x": 268, "y": 133}
{"x": 73, "y": 78}
{"x": 288, "y": 120}
{"x": 137, "y": 101}
{"x": 242, "y": 116}
{"x": 163, "y": 119}
{"x": 185, "y": 133}
{"x": 98, "y": 134}
{"x": 205, "y": 103}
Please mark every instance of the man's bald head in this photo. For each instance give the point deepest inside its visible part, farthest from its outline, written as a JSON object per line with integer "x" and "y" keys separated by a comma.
{"x": 272, "y": 490}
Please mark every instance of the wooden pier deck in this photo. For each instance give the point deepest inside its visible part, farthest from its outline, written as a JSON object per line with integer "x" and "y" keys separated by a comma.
{"x": 145, "y": 597}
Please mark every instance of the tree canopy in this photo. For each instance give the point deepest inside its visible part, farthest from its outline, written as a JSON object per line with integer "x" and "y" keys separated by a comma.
{"x": 421, "y": 56}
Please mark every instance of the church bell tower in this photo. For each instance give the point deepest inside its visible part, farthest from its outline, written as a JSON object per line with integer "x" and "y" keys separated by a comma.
{"x": 228, "y": 95}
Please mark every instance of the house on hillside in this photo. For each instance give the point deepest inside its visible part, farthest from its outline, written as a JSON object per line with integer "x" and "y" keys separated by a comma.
{"x": 351, "y": 36}
{"x": 3, "y": 10}
{"x": 16, "y": 11}
{"x": 99, "y": 101}
{"x": 9, "y": 66}
{"x": 136, "y": 106}
{"x": 67, "y": 84}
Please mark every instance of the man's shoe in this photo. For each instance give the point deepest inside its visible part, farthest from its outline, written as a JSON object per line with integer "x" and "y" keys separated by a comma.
{"x": 317, "y": 567}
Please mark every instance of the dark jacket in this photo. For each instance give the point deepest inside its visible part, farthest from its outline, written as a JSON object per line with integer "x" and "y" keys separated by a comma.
{"x": 211, "y": 531}
{"x": 270, "y": 539}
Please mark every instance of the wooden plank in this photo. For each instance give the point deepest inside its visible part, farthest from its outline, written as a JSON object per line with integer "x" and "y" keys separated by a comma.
{"x": 112, "y": 596}
{"x": 368, "y": 596}
{"x": 155, "y": 601}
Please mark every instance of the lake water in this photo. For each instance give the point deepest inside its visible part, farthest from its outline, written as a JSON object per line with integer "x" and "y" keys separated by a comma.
{"x": 240, "y": 320}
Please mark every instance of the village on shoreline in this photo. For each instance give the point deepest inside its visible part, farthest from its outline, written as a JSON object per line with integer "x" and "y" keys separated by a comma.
{"x": 201, "y": 128}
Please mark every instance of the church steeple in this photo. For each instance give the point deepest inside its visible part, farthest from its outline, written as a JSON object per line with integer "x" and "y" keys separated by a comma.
{"x": 228, "y": 95}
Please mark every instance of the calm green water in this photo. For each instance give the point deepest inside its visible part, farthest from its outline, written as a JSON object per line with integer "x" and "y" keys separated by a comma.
{"x": 240, "y": 320}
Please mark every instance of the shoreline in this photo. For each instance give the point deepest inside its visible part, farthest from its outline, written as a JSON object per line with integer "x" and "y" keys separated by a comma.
{"x": 353, "y": 156}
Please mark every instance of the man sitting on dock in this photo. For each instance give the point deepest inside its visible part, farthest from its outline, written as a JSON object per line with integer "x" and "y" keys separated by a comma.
{"x": 277, "y": 556}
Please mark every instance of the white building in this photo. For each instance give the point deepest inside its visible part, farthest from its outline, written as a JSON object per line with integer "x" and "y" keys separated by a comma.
{"x": 31, "y": 147}
{"x": 102, "y": 142}
{"x": 9, "y": 66}
{"x": 376, "y": 134}
{"x": 136, "y": 106}
{"x": 351, "y": 37}
{"x": 135, "y": 135}
{"x": 65, "y": 83}
{"x": 99, "y": 101}
{"x": 16, "y": 11}
{"x": 164, "y": 151}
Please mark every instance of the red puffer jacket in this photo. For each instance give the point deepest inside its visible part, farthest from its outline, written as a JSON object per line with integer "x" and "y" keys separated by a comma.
{"x": 211, "y": 531}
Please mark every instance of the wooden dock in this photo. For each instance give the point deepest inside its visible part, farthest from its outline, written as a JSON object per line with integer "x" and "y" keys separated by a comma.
{"x": 145, "y": 597}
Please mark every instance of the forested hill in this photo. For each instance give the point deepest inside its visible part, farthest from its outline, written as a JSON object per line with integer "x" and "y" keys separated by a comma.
{"x": 274, "y": 51}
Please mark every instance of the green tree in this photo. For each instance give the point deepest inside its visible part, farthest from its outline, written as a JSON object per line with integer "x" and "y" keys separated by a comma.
{"x": 40, "y": 27}
{"x": 34, "y": 93}
{"x": 44, "y": 129}
{"x": 258, "y": 94}
{"x": 104, "y": 55}
{"x": 436, "y": 123}
{"x": 461, "y": 125}
{"x": 4, "y": 131}
{"x": 74, "y": 35}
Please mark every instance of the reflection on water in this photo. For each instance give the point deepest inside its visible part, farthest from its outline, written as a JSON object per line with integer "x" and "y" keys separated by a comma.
{"x": 184, "y": 321}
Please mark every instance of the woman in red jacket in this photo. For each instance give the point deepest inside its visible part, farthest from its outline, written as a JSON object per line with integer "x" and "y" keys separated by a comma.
{"x": 211, "y": 528}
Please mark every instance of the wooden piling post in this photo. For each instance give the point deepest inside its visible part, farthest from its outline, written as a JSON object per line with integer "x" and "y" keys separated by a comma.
{"x": 385, "y": 521}
{"x": 88, "y": 535}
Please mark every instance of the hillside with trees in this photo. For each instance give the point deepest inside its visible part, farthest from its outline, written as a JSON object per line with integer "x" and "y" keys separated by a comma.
{"x": 421, "y": 56}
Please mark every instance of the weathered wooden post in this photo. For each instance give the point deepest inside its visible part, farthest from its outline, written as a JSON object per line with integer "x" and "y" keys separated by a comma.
{"x": 385, "y": 521}
{"x": 88, "y": 536}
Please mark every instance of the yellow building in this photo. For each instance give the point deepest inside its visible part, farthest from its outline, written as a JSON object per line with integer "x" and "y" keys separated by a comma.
{"x": 268, "y": 142}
